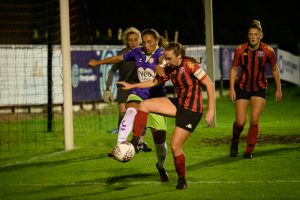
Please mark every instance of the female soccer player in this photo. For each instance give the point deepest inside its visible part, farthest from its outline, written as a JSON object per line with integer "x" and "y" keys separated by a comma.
{"x": 146, "y": 58}
{"x": 127, "y": 72}
{"x": 250, "y": 87}
{"x": 187, "y": 108}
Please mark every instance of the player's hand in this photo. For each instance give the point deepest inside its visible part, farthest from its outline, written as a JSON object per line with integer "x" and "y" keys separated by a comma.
{"x": 232, "y": 95}
{"x": 124, "y": 85}
{"x": 209, "y": 117}
{"x": 159, "y": 70}
{"x": 278, "y": 95}
{"x": 93, "y": 63}
{"x": 108, "y": 96}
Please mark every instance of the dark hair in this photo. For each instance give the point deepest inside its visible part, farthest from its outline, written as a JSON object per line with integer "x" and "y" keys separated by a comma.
{"x": 161, "y": 41}
{"x": 178, "y": 49}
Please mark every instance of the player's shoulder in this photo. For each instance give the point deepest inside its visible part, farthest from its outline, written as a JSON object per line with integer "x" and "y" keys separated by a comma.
{"x": 266, "y": 47}
{"x": 190, "y": 64}
{"x": 241, "y": 47}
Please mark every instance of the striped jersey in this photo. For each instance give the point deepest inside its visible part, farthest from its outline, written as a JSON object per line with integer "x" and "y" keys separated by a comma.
{"x": 252, "y": 76}
{"x": 186, "y": 79}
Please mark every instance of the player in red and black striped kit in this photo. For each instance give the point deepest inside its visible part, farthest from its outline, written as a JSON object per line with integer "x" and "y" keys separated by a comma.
{"x": 250, "y": 86}
{"x": 187, "y": 78}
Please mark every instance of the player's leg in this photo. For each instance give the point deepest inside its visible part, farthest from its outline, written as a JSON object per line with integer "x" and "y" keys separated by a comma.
{"x": 158, "y": 126}
{"x": 178, "y": 138}
{"x": 143, "y": 146}
{"x": 159, "y": 138}
{"x": 122, "y": 110}
{"x": 127, "y": 122}
{"x": 257, "y": 106}
{"x": 186, "y": 122}
{"x": 241, "y": 107}
{"x": 160, "y": 105}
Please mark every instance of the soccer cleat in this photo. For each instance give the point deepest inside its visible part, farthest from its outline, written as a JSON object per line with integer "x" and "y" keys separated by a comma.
{"x": 181, "y": 185}
{"x": 110, "y": 154}
{"x": 248, "y": 155}
{"x": 164, "y": 177}
{"x": 144, "y": 147}
{"x": 234, "y": 147}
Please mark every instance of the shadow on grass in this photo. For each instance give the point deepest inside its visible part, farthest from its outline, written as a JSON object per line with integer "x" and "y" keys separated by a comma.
{"x": 24, "y": 165}
{"x": 226, "y": 159}
{"x": 106, "y": 186}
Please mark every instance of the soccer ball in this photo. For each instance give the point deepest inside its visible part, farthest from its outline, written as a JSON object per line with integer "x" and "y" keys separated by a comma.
{"x": 123, "y": 151}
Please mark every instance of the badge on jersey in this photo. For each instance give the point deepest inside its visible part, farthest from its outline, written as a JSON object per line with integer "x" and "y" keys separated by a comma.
{"x": 200, "y": 73}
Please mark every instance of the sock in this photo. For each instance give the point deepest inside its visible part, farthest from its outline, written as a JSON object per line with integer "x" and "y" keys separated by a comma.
{"x": 139, "y": 123}
{"x": 141, "y": 140}
{"x": 161, "y": 153}
{"x": 252, "y": 138}
{"x": 236, "y": 131}
{"x": 126, "y": 124}
{"x": 179, "y": 162}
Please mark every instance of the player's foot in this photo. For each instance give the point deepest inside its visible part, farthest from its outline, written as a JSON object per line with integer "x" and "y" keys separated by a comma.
{"x": 164, "y": 177}
{"x": 144, "y": 147}
{"x": 248, "y": 155}
{"x": 110, "y": 154}
{"x": 234, "y": 148}
{"x": 181, "y": 185}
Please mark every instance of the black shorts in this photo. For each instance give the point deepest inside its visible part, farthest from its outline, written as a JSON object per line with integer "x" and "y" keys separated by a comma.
{"x": 186, "y": 119}
{"x": 244, "y": 94}
{"x": 122, "y": 96}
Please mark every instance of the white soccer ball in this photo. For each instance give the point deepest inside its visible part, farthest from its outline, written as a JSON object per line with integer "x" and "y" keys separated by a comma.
{"x": 123, "y": 151}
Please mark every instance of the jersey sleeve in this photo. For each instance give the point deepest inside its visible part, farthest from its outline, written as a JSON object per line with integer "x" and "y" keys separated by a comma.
{"x": 129, "y": 56}
{"x": 236, "y": 58}
{"x": 194, "y": 68}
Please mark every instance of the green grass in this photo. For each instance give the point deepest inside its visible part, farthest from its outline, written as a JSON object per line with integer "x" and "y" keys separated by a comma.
{"x": 86, "y": 172}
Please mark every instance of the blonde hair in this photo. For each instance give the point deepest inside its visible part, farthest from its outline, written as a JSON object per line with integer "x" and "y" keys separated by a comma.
{"x": 256, "y": 24}
{"x": 128, "y": 31}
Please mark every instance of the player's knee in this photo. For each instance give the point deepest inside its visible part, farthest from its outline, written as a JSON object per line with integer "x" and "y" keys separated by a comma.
{"x": 159, "y": 136}
{"x": 176, "y": 150}
{"x": 131, "y": 111}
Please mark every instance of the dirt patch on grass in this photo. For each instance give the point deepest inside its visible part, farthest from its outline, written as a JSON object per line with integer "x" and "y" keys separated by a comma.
{"x": 270, "y": 139}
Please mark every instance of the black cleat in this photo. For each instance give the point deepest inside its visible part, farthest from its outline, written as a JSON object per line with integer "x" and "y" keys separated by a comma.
{"x": 164, "y": 177}
{"x": 144, "y": 147}
{"x": 248, "y": 156}
{"x": 234, "y": 148}
{"x": 110, "y": 154}
{"x": 181, "y": 183}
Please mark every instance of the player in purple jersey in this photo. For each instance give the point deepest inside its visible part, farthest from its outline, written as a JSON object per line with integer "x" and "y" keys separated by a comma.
{"x": 127, "y": 72}
{"x": 146, "y": 59}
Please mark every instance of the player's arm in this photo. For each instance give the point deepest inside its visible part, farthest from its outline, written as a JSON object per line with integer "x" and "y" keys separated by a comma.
{"x": 109, "y": 60}
{"x": 278, "y": 94}
{"x": 210, "y": 89}
{"x": 159, "y": 69}
{"x": 145, "y": 84}
{"x": 233, "y": 73}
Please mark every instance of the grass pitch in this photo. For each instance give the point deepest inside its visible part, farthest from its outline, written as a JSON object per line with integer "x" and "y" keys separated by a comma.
{"x": 86, "y": 172}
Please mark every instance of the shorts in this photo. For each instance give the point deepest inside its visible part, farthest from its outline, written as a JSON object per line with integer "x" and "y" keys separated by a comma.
{"x": 186, "y": 119}
{"x": 156, "y": 121}
{"x": 244, "y": 94}
{"x": 122, "y": 96}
